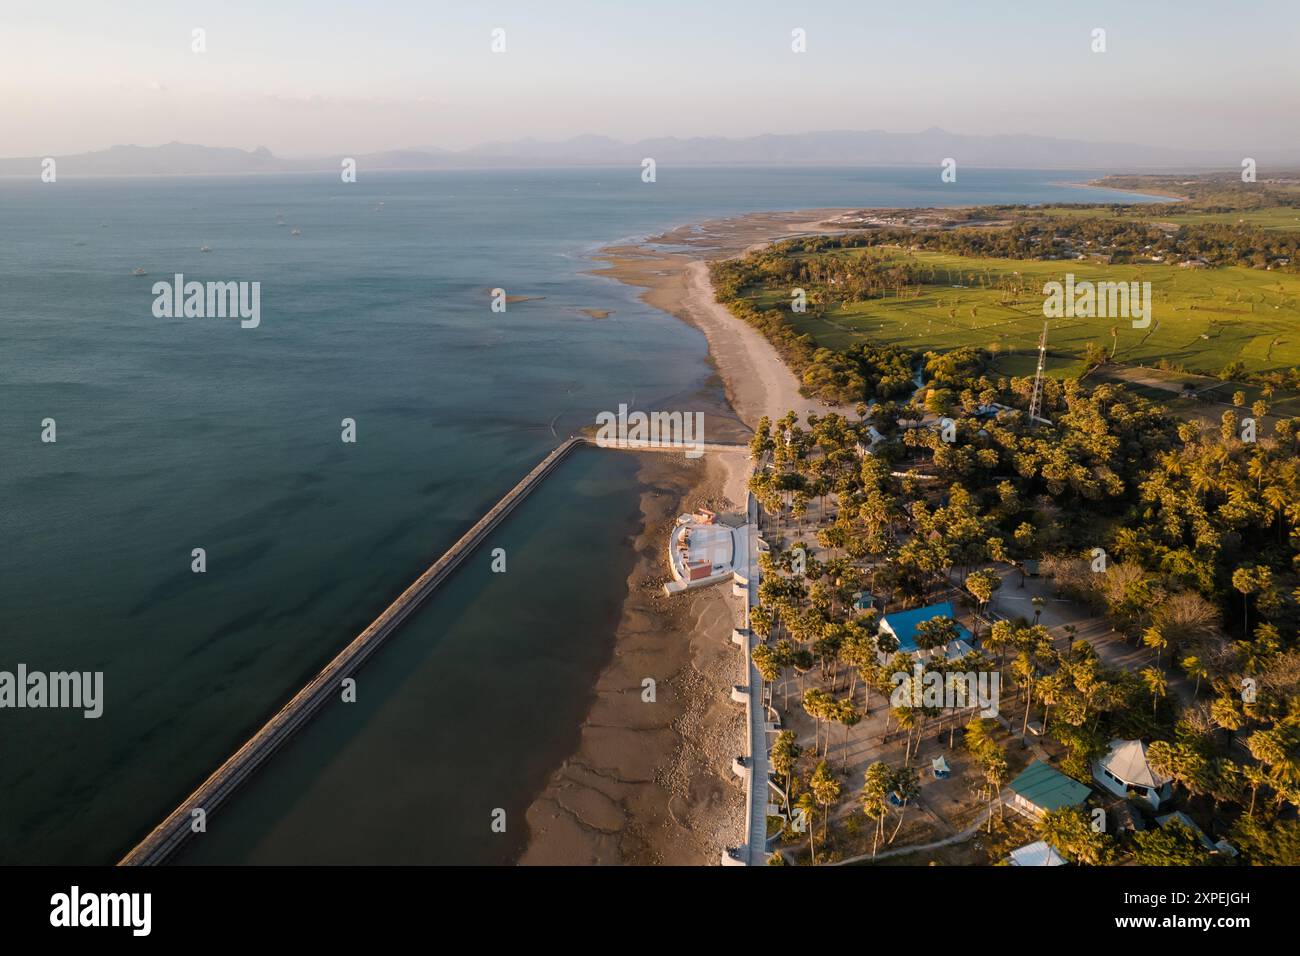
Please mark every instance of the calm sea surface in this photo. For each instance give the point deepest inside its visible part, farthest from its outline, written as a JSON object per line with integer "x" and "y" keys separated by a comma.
{"x": 175, "y": 434}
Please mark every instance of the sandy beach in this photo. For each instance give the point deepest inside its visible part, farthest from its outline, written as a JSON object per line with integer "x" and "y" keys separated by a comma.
{"x": 673, "y": 271}
{"x": 651, "y": 783}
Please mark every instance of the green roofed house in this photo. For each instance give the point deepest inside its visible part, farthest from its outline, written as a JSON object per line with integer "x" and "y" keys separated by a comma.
{"x": 1041, "y": 788}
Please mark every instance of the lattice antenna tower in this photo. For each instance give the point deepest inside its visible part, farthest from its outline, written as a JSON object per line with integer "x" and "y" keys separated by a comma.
{"x": 1036, "y": 403}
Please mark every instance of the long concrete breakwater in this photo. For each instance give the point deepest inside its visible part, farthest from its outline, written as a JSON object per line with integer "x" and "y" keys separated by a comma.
{"x": 169, "y": 835}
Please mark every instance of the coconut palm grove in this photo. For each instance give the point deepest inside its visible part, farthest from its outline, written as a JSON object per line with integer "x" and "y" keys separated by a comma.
{"x": 1121, "y": 553}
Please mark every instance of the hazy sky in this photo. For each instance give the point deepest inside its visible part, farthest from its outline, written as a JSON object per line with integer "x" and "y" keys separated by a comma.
{"x": 352, "y": 77}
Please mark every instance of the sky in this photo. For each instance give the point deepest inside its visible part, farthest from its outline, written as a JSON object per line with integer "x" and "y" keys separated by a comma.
{"x": 327, "y": 77}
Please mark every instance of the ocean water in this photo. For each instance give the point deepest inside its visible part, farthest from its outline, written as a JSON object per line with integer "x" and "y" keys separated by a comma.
{"x": 175, "y": 434}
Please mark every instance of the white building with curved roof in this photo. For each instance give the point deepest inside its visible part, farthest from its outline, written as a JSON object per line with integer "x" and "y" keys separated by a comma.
{"x": 1125, "y": 770}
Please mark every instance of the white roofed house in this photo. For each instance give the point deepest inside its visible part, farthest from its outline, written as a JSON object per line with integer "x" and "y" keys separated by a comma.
{"x": 1125, "y": 770}
{"x": 1036, "y": 854}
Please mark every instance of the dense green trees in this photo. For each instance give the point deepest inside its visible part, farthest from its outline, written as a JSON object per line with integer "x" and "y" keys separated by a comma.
{"x": 1121, "y": 238}
{"x": 1199, "y": 543}
{"x": 1184, "y": 538}
{"x": 1071, "y": 833}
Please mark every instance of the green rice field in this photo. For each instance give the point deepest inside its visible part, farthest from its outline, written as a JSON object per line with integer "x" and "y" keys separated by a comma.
{"x": 1276, "y": 218}
{"x": 1202, "y": 319}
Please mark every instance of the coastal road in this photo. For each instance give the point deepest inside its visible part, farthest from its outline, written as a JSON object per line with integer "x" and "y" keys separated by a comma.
{"x": 756, "y": 799}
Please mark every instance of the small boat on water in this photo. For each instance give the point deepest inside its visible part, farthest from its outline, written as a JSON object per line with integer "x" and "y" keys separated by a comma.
{"x": 295, "y": 232}
{"x": 205, "y": 248}
{"x": 139, "y": 271}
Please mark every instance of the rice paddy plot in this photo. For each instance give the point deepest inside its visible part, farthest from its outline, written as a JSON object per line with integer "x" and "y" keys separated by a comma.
{"x": 1202, "y": 319}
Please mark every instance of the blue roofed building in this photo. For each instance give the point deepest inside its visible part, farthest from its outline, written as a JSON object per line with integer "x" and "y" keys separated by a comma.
{"x": 902, "y": 627}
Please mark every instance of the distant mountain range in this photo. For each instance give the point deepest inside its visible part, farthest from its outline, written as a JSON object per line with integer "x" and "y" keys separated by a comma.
{"x": 836, "y": 147}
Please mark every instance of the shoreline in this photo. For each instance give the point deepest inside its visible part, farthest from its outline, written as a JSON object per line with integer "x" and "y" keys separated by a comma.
{"x": 672, "y": 271}
{"x": 655, "y": 786}
{"x": 638, "y": 787}
{"x": 651, "y": 783}
{"x": 1098, "y": 184}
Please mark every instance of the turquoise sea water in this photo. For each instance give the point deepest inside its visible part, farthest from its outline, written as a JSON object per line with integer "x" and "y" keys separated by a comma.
{"x": 182, "y": 433}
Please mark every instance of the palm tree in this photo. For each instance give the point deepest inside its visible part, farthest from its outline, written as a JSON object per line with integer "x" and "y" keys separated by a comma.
{"x": 848, "y": 715}
{"x": 1070, "y": 831}
{"x": 1190, "y": 767}
{"x": 820, "y": 706}
{"x": 1025, "y": 671}
{"x": 1050, "y": 690}
{"x": 785, "y": 657}
{"x": 907, "y": 720}
{"x": 857, "y": 652}
{"x": 995, "y": 769}
{"x": 768, "y": 666}
{"x": 906, "y": 785}
{"x": 808, "y": 804}
{"x": 1256, "y": 776}
{"x": 1278, "y": 497}
{"x": 981, "y": 585}
{"x": 875, "y": 799}
{"x": 1278, "y": 748}
{"x": 936, "y": 632}
{"x": 802, "y": 662}
{"x": 784, "y": 754}
{"x": 1156, "y": 685}
{"x": 1195, "y": 667}
{"x": 1247, "y": 581}
{"x": 1227, "y": 714}
{"x": 1154, "y": 638}
{"x": 989, "y": 755}
{"x": 826, "y": 790}
{"x": 1001, "y": 635}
